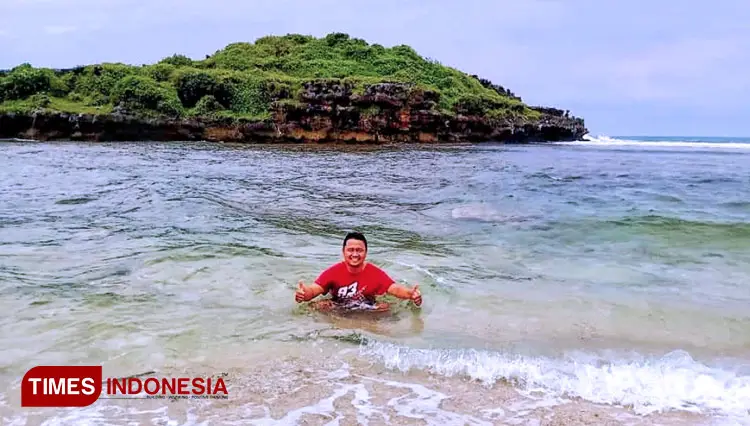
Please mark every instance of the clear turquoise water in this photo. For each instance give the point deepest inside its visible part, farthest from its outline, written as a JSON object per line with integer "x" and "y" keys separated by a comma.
{"x": 612, "y": 270}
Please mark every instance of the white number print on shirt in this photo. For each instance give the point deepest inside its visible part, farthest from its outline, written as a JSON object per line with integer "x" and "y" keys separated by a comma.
{"x": 348, "y": 291}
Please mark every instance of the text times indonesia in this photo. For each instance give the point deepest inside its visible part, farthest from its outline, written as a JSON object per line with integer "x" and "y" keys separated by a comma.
{"x": 80, "y": 386}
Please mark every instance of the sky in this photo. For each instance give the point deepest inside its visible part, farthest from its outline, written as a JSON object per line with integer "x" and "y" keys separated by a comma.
{"x": 662, "y": 68}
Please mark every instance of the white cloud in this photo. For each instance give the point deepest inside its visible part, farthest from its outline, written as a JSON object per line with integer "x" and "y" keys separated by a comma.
{"x": 59, "y": 29}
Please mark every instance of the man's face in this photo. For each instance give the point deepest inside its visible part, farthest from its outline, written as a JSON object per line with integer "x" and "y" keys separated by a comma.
{"x": 354, "y": 252}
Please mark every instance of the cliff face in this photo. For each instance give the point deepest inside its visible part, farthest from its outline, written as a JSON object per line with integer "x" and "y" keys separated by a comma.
{"x": 323, "y": 112}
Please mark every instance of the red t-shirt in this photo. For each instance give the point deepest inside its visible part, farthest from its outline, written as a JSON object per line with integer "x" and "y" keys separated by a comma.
{"x": 345, "y": 286}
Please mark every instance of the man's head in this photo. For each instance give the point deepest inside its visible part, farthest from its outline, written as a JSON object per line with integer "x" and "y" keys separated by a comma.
{"x": 354, "y": 249}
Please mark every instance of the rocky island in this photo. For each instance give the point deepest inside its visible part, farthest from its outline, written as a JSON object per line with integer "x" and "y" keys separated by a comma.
{"x": 293, "y": 88}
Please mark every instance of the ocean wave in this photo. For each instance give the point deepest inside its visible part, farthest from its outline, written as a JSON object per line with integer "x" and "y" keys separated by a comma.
{"x": 664, "y": 223}
{"x": 673, "y": 231}
{"x": 482, "y": 212}
{"x": 673, "y": 382}
{"x": 607, "y": 141}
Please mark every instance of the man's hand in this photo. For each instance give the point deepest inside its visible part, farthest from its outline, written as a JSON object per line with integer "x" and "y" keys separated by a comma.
{"x": 307, "y": 292}
{"x": 407, "y": 293}
{"x": 303, "y": 293}
{"x": 416, "y": 295}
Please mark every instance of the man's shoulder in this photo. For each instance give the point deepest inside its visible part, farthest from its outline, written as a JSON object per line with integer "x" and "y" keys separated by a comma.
{"x": 373, "y": 267}
{"x": 330, "y": 275}
{"x": 336, "y": 268}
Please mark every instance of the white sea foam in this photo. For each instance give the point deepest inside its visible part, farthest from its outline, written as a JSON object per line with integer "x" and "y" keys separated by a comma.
{"x": 481, "y": 212}
{"x": 478, "y": 211}
{"x": 606, "y": 141}
{"x": 414, "y": 402}
{"x": 673, "y": 382}
{"x": 342, "y": 395}
{"x": 423, "y": 270}
{"x": 325, "y": 407}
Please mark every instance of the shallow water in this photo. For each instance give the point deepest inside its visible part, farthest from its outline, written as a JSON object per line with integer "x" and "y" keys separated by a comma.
{"x": 562, "y": 283}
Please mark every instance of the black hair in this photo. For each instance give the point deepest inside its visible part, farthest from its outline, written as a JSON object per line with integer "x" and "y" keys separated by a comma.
{"x": 355, "y": 236}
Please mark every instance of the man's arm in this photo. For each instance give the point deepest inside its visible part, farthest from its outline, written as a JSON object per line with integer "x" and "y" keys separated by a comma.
{"x": 402, "y": 292}
{"x": 309, "y": 292}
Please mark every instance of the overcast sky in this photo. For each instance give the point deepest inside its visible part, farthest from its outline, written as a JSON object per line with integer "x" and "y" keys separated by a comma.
{"x": 635, "y": 67}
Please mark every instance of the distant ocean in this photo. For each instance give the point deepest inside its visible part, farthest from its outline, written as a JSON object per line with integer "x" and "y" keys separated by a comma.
{"x": 605, "y": 281}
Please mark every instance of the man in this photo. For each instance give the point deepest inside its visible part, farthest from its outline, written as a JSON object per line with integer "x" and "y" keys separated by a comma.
{"x": 355, "y": 281}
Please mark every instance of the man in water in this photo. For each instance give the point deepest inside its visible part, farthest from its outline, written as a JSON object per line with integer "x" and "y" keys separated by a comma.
{"x": 354, "y": 281}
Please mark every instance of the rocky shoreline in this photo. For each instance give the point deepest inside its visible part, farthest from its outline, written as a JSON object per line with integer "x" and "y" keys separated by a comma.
{"x": 323, "y": 112}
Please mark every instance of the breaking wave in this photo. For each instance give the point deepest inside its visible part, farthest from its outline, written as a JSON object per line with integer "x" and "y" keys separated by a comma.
{"x": 647, "y": 385}
{"x": 699, "y": 143}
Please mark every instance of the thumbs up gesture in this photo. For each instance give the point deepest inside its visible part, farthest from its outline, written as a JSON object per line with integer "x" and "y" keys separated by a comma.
{"x": 302, "y": 294}
{"x": 416, "y": 295}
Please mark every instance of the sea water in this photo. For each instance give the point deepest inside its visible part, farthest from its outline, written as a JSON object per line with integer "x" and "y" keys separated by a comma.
{"x": 594, "y": 282}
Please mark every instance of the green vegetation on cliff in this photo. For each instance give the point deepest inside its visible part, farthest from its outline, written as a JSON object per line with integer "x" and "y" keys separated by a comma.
{"x": 244, "y": 80}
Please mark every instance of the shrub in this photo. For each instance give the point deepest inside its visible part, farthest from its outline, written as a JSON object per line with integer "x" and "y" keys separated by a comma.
{"x": 177, "y": 60}
{"x": 208, "y": 105}
{"x": 101, "y": 79}
{"x": 244, "y": 79}
{"x": 39, "y": 100}
{"x": 139, "y": 92}
{"x": 192, "y": 85}
{"x": 24, "y": 81}
{"x": 160, "y": 72}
